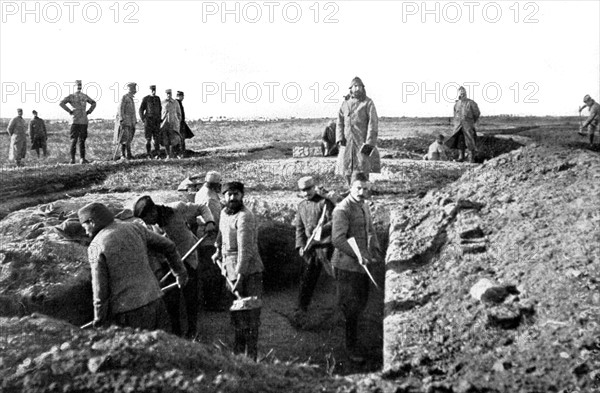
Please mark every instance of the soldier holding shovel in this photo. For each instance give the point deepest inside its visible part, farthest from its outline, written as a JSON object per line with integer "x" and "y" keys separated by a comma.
{"x": 313, "y": 238}
{"x": 237, "y": 247}
{"x": 591, "y": 123}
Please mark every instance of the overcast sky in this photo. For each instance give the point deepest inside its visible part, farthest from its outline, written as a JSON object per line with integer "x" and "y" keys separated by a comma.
{"x": 296, "y": 59}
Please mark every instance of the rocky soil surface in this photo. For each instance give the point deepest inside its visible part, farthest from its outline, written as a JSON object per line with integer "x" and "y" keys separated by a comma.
{"x": 493, "y": 282}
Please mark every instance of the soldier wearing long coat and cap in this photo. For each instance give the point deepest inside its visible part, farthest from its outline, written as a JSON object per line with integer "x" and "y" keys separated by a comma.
{"x": 591, "y": 123}
{"x": 125, "y": 122}
{"x": 17, "y": 130}
{"x": 150, "y": 112}
{"x": 466, "y": 114}
{"x": 38, "y": 134}
{"x": 356, "y": 133}
{"x": 125, "y": 290}
{"x": 171, "y": 121}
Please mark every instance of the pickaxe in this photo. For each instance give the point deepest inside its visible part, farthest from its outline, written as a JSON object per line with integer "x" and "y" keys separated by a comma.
{"x": 352, "y": 243}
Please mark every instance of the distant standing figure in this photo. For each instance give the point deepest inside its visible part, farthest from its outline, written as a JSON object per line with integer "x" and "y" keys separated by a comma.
{"x": 466, "y": 114}
{"x": 150, "y": 111}
{"x": 17, "y": 130}
{"x": 329, "y": 147}
{"x": 437, "y": 150}
{"x": 356, "y": 133}
{"x": 184, "y": 130}
{"x": 170, "y": 123}
{"x": 38, "y": 134}
{"x": 125, "y": 122}
{"x": 591, "y": 123}
{"x": 125, "y": 290}
{"x": 79, "y": 127}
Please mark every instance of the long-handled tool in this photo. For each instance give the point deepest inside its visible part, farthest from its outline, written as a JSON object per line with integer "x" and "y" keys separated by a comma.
{"x": 120, "y": 135}
{"x": 316, "y": 235}
{"x": 352, "y": 242}
{"x": 165, "y": 289}
{"x": 240, "y": 303}
{"x": 187, "y": 254}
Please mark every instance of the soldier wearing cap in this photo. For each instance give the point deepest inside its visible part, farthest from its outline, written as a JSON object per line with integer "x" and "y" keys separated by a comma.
{"x": 125, "y": 122}
{"x": 352, "y": 219}
{"x": 329, "y": 147}
{"x": 212, "y": 284}
{"x": 237, "y": 247}
{"x": 17, "y": 130}
{"x": 591, "y": 123}
{"x": 125, "y": 290}
{"x": 313, "y": 238}
{"x": 38, "y": 134}
{"x": 170, "y": 123}
{"x": 466, "y": 114}
{"x": 79, "y": 127}
{"x": 184, "y": 130}
{"x": 150, "y": 112}
{"x": 175, "y": 220}
{"x": 356, "y": 133}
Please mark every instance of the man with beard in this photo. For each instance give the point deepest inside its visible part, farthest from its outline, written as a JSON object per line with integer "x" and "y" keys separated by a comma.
{"x": 466, "y": 114}
{"x": 150, "y": 111}
{"x": 125, "y": 290}
{"x": 314, "y": 214}
{"x": 171, "y": 121}
{"x": 352, "y": 219}
{"x": 175, "y": 220}
{"x": 125, "y": 122}
{"x": 184, "y": 130}
{"x": 591, "y": 123}
{"x": 38, "y": 134}
{"x": 17, "y": 130}
{"x": 237, "y": 247}
{"x": 212, "y": 284}
{"x": 79, "y": 128}
{"x": 356, "y": 133}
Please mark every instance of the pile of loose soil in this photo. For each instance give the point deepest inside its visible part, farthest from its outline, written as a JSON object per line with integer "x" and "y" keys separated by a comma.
{"x": 492, "y": 282}
{"x": 40, "y": 354}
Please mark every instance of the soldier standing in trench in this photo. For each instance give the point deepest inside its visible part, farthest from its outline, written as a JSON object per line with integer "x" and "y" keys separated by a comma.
{"x": 314, "y": 214}
{"x": 125, "y": 290}
{"x": 237, "y": 247}
{"x": 352, "y": 219}
{"x": 175, "y": 219}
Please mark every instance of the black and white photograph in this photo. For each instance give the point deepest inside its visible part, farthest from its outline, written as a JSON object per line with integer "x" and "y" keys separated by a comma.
{"x": 343, "y": 196}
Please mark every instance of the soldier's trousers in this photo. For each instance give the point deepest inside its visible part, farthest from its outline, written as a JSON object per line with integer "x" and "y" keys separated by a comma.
{"x": 352, "y": 295}
{"x": 311, "y": 270}
{"x": 246, "y": 322}
{"x": 152, "y": 316}
{"x": 78, "y": 135}
{"x": 173, "y": 300}
{"x": 211, "y": 282}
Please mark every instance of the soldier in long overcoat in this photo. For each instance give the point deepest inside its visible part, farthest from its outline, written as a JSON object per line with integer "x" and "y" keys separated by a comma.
{"x": 171, "y": 120}
{"x": 17, "y": 130}
{"x": 466, "y": 114}
{"x": 125, "y": 122}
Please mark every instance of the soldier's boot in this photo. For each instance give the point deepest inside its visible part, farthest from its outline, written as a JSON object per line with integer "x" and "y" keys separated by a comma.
{"x": 129, "y": 155}
{"x": 472, "y": 156}
{"x": 239, "y": 341}
{"x": 149, "y": 148}
{"x": 352, "y": 339}
{"x": 123, "y": 152}
{"x": 252, "y": 343}
{"x": 591, "y": 139}
{"x": 82, "y": 159}
{"x": 461, "y": 155}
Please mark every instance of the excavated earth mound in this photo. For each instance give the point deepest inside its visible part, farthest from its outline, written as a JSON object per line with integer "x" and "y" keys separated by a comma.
{"x": 493, "y": 282}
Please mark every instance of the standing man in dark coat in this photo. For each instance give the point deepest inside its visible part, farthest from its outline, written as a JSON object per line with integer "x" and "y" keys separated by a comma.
{"x": 17, "y": 130}
{"x": 314, "y": 214}
{"x": 329, "y": 147}
{"x": 352, "y": 219}
{"x": 466, "y": 114}
{"x": 125, "y": 122}
{"x": 184, "y": 130}
{"x": 125, "y": 290}
{"x": 79, "y": 127}
{"x": 237, "y": 247}
{"x": 150, "y": 111}
{"x": 38, "y": 134}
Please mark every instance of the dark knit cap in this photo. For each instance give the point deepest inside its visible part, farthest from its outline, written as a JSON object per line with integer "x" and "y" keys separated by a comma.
{"x": 359, "y": 176}
{"x": 101, "y": 215}
{"x": 233, "y": 186}
{"x": 142, "y": 206}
